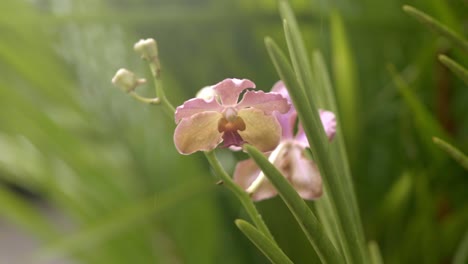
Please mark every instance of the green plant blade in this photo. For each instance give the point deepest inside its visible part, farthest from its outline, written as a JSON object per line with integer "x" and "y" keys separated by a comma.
{"x": 425, "y": 123}
{"x": 456, "y": 154}
{"x": 296, "y": 48}
{"x": 264, "y": 244}
{"x": 461, "y": 256}
{"x": 304, "y": 216}
{"x": 456, "y": 68}
{"x": 341, "y": 193}
{"x": 345, "y": 77}
{"x": 437, "y": 27}
{"x": 376, "y": 257}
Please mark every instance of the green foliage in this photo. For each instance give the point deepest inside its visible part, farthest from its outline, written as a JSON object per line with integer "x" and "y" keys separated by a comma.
{"x": 107, "y": 166}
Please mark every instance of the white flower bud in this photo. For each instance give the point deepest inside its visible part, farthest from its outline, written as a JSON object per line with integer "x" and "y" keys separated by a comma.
{"x": 126, "y": 80}
{"x": 147, "y": 48}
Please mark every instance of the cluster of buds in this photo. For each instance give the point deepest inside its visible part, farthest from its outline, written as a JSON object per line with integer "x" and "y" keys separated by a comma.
{"x": 128, "y": 81}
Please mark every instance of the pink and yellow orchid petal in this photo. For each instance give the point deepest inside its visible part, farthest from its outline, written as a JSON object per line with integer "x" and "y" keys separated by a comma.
{"x": 304, "y": 175}
{"x": 267, "y": 102}
{"x": 245, "y": 173}
{"x": 198, "y": 133}
{"x": 329, "y": 123}
{"x": 229, "y": 90}
{"x": 195, "y": 106}
{"x": 261, "y": 130}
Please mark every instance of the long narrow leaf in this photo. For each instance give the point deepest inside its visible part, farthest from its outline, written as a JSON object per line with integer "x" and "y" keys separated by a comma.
{"x": 346, "y": 80}
{"x": 376, "y": 257}
{"x": 304, "y": 216}
{"x": 437, "y": 26}
{"x": 343, "y": 195}
{"x": 456, "y": 154}
{"x": 425, "y": 123}
{"x": 263, "y": 243}
{"x": 297, "y": 51}
{"x": 455, "y": 68}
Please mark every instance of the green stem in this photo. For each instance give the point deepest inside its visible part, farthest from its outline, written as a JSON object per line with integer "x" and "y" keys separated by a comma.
{"x": 144, "y": 99}
{"x": 155, "y": 68}
{"x": 243, "y": 196}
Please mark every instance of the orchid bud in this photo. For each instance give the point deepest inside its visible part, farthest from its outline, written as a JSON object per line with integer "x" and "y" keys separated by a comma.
{"x": 207, "y": 93}
{"x": 147, "y": 48}
{"x": 126, "y": 80}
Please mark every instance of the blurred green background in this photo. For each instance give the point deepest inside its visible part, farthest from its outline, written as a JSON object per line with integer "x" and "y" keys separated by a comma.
{"x": 92, "y": 175}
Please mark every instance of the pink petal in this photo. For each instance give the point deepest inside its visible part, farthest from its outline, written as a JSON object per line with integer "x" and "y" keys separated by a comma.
{"x": 304, "y": 175}
{"x": 281, "y": 89}
{"x": 198, "y": 133}
{"x": 245, "y": 173}
{"x": 301, "y": 137}
{"x": 267, "y": 102}
{"x": 194, "y": 106}
{"x": 329, "y": 123}
{"x": 262, "y": 131}
{"x": 230, "y": 89}
{"x": 287, "y": 122}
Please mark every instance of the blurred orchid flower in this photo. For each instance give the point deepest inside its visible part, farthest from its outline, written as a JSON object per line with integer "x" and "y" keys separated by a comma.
{"x": 288, "y": 157}
{"x": 219, "y": 116}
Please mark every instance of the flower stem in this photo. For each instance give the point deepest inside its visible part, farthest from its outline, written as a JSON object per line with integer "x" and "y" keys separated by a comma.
{"x": 145, "y": 100}
{"x": 155, "y": 68}
{"x": 243, "y": 196}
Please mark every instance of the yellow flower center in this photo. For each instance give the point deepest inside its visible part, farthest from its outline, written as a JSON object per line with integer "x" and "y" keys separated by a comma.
{"x": 230, "y": 122}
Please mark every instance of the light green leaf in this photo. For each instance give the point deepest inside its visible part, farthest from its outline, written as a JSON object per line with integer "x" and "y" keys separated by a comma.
{"x": 346, "y": 81}
{"x": 263, "y": 243}
{"x": 376, "y": 257}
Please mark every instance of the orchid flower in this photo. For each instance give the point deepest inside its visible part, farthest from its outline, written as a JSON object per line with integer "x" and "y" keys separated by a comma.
{"x": 220, "y": 116}
{"x": 288, "y": 157}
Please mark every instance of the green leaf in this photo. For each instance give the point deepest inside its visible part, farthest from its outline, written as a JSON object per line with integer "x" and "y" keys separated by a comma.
{"x": 304, "y": 216}
{"x": 340, "y": 187}
{"x": 456, "y": 68}
{"x": 425, "y": 123}
{"x": 456, "y": 154}
{"x": 346, "y": 80}
{"x": 297, "y": 51}
{"x": 438, "y": 27}
{"x": 461, "y": 256}
{"x": 376, "y": 257}
{"x": 268, "y": 247}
